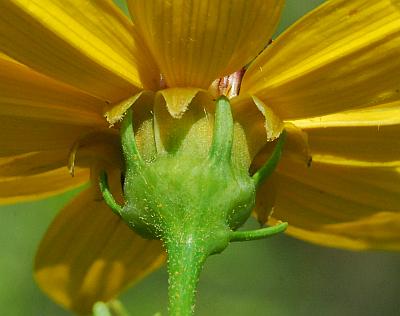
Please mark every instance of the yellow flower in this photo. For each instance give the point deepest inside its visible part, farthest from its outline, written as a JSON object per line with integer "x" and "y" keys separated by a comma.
{"x": 332, "y": 79}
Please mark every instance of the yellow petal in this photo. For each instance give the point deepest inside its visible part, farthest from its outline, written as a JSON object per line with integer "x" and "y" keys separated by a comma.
{"x": 349, "y": 206}
{"x": 25, "y": 93}
{"x": 273, "y": 125}
{"x": 89, "y": 255}
{"x": 370, "y": 134}
{"x": 100, "y": 149}
{"x": 88, "y": 44}
{"x": 115, "y": 112}
{"x": 296, "y": 148}
{"x": 4, "y": 57}
{"x": 258, "y": 121}
{"x": 178, "y": 100}
{"x": 39, "y": 114}
{"x": 27, "y": 187}
{"x": 379, "y": 115}
{"x": 377, "y": 232}
{"x": 297, "y": 145}
{"x": 21, "y": 135}
{"x": 266, "y": 199}
{"x": 198, "y": 41}
{"x": 32, "y": 163}
{"x": 343, "y": 55}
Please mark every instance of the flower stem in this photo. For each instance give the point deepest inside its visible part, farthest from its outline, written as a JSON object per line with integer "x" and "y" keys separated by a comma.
{"x": 185, "y": 262}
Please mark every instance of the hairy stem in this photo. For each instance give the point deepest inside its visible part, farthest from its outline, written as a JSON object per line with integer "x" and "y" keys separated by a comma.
{"x": 185, "y": 262}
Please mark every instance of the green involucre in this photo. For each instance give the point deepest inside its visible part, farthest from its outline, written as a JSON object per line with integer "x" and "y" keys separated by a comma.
{"x": 193, "y": 204}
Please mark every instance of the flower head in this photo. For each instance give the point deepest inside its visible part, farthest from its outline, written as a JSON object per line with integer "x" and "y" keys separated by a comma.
{"x": 331, "y": 80}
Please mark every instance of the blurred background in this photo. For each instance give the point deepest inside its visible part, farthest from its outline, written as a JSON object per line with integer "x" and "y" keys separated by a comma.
{"x": 275, "y": 277}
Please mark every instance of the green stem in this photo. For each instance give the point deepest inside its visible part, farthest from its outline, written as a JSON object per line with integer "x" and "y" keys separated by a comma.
{"x": 185, "y": 262}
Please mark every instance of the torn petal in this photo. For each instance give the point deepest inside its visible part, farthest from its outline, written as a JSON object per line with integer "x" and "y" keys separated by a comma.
{"x": 100, "y": 148}
{"x": 115, "y": 112}
{"x": 273, "y": 124}
{"x": 258, "y": 121}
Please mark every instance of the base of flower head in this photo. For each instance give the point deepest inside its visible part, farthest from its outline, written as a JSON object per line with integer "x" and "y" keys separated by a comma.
{"x": 157, "y": 192}
{"x": 194, "y": 205}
